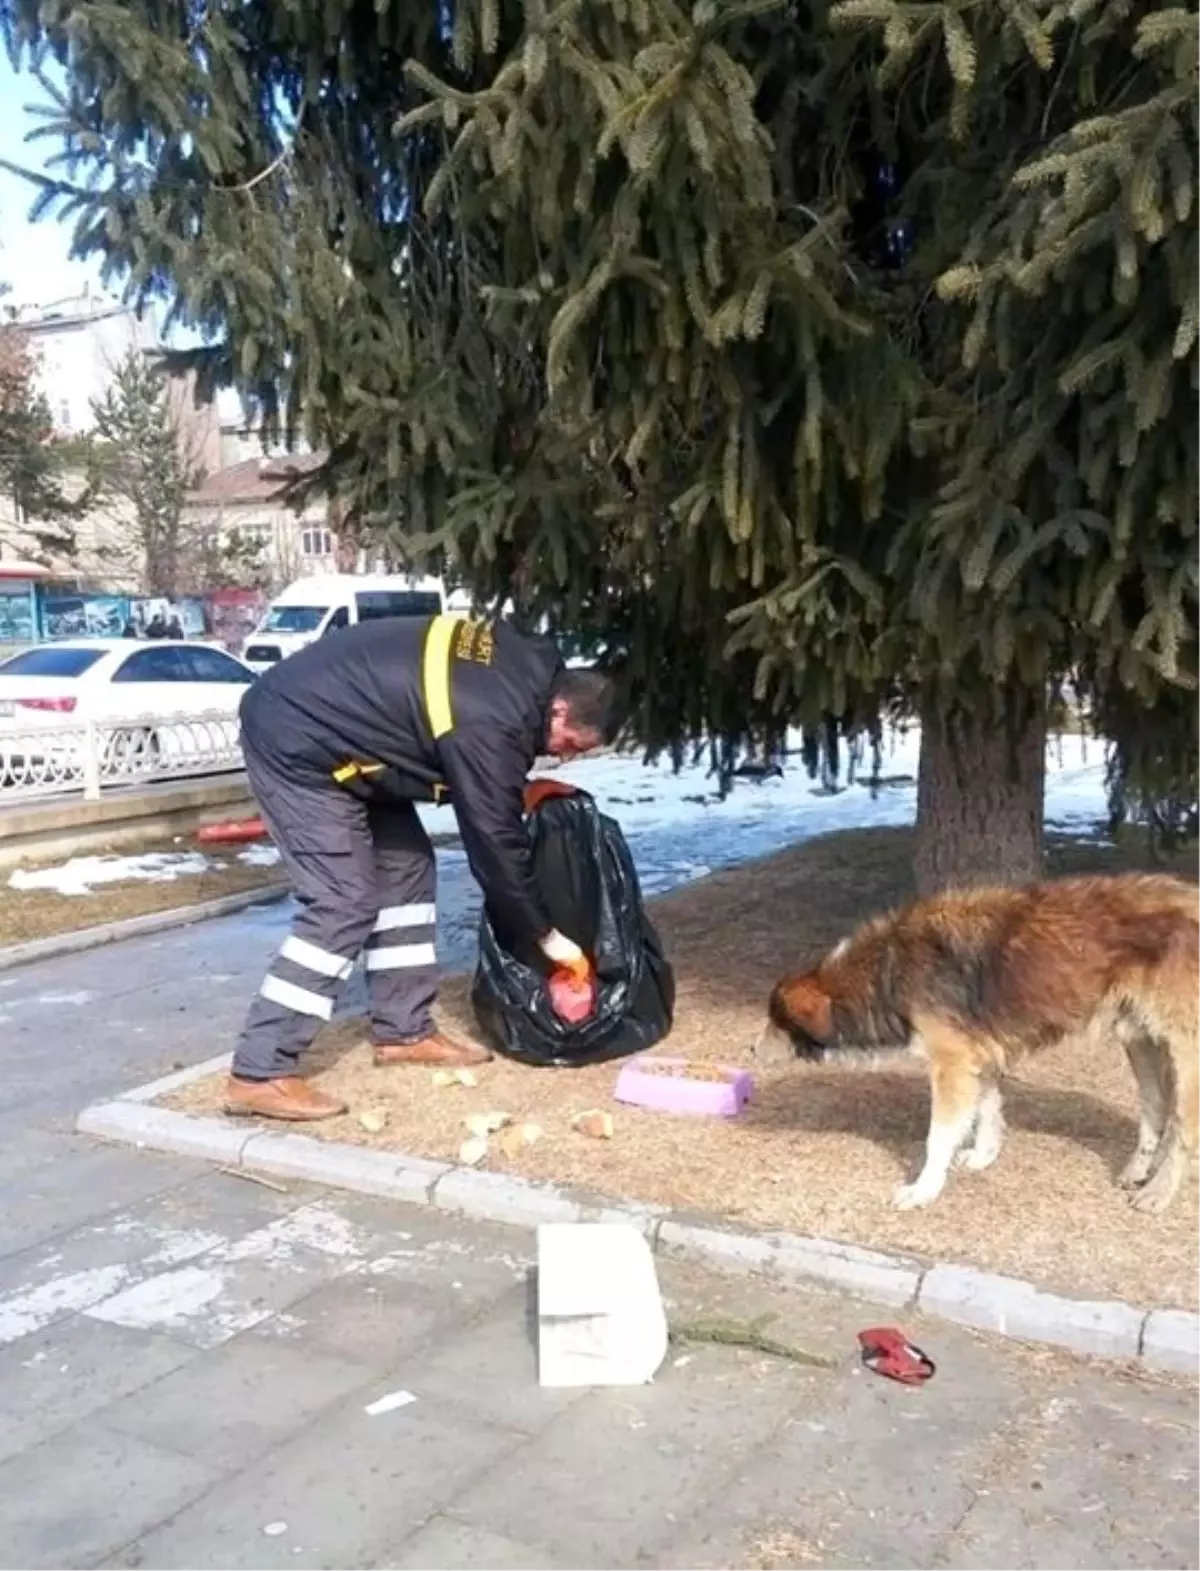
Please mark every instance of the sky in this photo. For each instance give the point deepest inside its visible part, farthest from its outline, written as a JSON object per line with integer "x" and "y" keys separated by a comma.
{"x": 34, "y": 258}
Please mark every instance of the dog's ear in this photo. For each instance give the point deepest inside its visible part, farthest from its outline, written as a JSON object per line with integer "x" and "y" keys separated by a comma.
{"x": 801, "y": 1003}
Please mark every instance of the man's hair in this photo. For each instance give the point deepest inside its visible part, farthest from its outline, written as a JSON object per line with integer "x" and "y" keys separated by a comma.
{"x": 590, "y": 698}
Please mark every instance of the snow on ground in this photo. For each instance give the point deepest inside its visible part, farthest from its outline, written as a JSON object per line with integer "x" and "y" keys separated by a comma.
{"x": 261, "y": 855}
{"x": 81, "y": 874}
{"x": 679, "y": 829}
{"x": 677, "y": 826}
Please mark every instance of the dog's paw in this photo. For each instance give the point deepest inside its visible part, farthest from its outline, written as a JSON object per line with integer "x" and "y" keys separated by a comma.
{"x": 1153, "y": 1198}
{"x": 909, "y": 1197}
{"x": 1136, "y": 1170}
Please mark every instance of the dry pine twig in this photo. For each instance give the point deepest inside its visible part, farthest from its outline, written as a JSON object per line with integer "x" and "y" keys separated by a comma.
{"x": 254, "y": 1178}
{"x": 748, "y": 1334}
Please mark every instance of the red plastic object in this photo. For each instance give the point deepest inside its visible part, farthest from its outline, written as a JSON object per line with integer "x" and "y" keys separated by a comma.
{"x": 572, "y": 997}
{"x": 888, "y": 1352}
{"x": 542, "y": 790}
{"x": 221, "y": 834}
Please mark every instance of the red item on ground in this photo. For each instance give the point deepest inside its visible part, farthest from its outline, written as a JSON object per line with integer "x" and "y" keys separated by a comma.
{"x": 888, "y": 1352}
{"x": 220, "y": 834}
{"x": 572, "y": 997}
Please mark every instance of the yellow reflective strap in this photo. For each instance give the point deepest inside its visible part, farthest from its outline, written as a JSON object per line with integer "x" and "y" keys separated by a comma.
{"x": 354, "y": 768}
{"x": 435, "y": 674}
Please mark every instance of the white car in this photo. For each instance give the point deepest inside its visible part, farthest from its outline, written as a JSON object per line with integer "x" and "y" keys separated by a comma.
{"x": 162, "y": 706}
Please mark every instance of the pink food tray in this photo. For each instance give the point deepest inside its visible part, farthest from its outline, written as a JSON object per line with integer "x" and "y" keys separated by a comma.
{"x": 723, "y": 1098}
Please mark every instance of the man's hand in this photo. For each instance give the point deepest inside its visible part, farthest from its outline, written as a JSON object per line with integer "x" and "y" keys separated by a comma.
{"x": 563, "y": 952}
{"x": 572, "y": 987}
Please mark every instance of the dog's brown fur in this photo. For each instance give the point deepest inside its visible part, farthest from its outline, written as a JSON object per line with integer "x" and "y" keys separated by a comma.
{"x": 973, "y": 981}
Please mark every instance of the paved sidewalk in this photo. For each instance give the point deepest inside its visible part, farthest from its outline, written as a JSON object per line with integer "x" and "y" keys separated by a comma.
{"x": 186, "y": 1377}
{"x": 186, "y": 1359}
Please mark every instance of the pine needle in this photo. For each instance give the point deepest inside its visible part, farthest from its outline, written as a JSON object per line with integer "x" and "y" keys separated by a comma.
{"x": 749, "y": 1334}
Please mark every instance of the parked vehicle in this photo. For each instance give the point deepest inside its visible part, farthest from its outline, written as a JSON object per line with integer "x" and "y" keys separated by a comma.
{"x": 144, "y": 701}
{"x": 313, "y": 607}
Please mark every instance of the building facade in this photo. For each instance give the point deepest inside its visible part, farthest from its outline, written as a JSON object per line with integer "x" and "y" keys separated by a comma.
{"x": 245, "y": 509}
{"x": 79, "y": 344}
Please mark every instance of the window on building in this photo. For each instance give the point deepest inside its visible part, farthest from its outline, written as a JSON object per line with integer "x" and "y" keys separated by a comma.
{"x": 255, "y": 540}
{"x": 316, "y": 542}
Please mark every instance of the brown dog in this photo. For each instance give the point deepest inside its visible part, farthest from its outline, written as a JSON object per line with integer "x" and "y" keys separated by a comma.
{"x": 973, "y": 981}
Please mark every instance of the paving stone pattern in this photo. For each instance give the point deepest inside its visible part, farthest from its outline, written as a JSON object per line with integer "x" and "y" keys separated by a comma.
{"x": 186, "y": 1359}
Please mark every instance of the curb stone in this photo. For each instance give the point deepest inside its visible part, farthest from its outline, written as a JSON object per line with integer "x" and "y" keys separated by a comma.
{"x": 1167, "y": 1340}
{"x": 137, "y": 926}
{"x": 681, "y": 1239}
{"x": 1016, "y": 1308}
{"x": 500, "y": 1197}
{"x": 160, "y": 1129}
{"x": 153, "y": 1089}
{"x": 631, "y": 1213}
{"x": 382, "y": 1173}
{"x": 889, "y": 1279}
{"x": 1171, "y": 1340}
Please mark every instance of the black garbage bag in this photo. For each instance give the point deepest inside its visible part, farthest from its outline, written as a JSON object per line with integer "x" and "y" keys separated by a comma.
{"x": 591, "y": 892}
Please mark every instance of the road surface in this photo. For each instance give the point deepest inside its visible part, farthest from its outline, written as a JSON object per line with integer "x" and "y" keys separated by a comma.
{"x": 188, "y": 1358}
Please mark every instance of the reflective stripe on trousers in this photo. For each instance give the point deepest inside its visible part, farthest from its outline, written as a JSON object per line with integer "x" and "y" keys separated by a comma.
{"x": 401, "y": 966}
{"x": 305, "y": 978}
{"x": 363, "y": 878}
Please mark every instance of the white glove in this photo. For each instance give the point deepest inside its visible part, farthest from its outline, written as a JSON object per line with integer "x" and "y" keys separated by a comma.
{"x": 562, "y": 951}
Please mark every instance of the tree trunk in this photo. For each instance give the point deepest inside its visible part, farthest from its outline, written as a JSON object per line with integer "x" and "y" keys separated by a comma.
{"x": 980, "y": 794}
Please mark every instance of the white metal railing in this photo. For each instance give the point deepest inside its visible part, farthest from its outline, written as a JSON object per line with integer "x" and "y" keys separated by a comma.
{"x": 92, "y": 755}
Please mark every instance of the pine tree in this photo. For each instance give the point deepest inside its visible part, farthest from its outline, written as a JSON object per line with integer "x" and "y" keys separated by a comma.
{"x": 817, "y": 358}
{"x": 219, "y": 558}
{"x": 40, "y": 489}
{"x": 147, "y": 472}
{"x": 148, "y": 460}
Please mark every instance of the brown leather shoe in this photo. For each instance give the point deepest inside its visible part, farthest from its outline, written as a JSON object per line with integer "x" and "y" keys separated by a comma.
{"x": 435, "y": 1049}
{"x": 289, "y": 1098}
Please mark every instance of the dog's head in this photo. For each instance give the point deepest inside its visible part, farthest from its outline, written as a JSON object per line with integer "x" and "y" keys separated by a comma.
{"x": 846, "y": 1010}
{"x": 799, "y": 1021}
